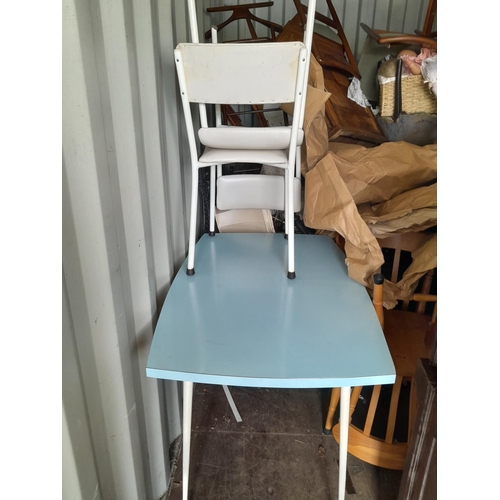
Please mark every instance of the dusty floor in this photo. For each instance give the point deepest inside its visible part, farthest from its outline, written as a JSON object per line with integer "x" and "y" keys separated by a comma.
{"x": 278, "y": 451}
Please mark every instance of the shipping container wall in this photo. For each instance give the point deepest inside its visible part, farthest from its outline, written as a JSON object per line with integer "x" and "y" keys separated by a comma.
{"x": 395, "y": 15}
{"x": 125, "y": 209}
{"x": 124, "y": 237}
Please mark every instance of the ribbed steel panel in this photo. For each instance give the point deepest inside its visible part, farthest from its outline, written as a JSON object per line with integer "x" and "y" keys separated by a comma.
{"x": 397, "y": 15}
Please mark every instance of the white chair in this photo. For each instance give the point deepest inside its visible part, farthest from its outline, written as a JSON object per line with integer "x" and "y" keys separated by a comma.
{"x": 235, "y": 74}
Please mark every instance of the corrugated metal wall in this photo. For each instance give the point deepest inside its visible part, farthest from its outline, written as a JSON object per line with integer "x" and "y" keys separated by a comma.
{"x": 395, "y": 15}
{"x": 124, "y": 237}
{"x": 125, "y": 202}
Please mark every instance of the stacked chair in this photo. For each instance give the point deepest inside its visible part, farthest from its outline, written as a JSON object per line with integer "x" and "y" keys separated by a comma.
{"x": 238, "y": 74}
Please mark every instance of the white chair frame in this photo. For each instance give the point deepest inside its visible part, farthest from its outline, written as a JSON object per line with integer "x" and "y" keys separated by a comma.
{"x": 262, "y": 193}
{"x": 290, "y": 199}
{"x": 236, "y": 74}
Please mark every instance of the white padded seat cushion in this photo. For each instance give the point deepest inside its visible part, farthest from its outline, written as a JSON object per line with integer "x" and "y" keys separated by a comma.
{"x": 275, "y": 157}
{"x": 225, "y": 137}
{"x": 251, "y": 191}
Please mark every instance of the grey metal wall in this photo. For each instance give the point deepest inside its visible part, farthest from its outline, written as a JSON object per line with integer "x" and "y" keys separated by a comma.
{"x": 125, "y": 204}
{"x": 395, "y": 15}
{"x": 124, "y": 237}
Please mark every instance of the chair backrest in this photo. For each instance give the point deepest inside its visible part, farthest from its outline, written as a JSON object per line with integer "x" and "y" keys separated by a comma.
{"x": 241, "y": 73}
{"x": 404, "y": 242}
{"x": 430, "y": 16}
{"x": 242, "y": 12}
{"x": 409, "y": 242}
{"x": 423, "y": 38}
{"x": 223, "y": 74}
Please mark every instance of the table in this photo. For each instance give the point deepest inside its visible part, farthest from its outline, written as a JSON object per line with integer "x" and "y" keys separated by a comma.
{"x": 240, "y": 321}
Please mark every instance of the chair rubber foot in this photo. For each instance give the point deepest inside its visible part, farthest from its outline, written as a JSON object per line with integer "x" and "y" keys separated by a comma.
{"x": 190, "y": 272}
{"x": 211, "y": 233}
{"x": 290, "y": 276}
{"x": 326, "y": 431}
{"x": 286, "y": 236}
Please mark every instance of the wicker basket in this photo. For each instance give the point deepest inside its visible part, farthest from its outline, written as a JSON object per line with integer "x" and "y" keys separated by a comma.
{"x": 415, "y": 97}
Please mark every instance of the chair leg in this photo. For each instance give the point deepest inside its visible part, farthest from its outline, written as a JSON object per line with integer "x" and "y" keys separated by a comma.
{"x": 212, "y": 201}
{"x": 187, "y": 406}
{"x": 298, "y": 161}
{"x": 334, "y": 401}
{"x": 356, "y": 391}
{"x": 393, "y": 408}
{"x": 291, "y": 229}
{"x": 192, "y": 222}
{"x": 286, "y": 203}
{"x": 371, "y": 410}
{"x": 344, "y": 435}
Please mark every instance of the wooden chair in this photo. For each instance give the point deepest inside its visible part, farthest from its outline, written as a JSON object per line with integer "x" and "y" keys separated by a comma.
{"x": 242, "y": 12}
{"x": 329, "y": 45}
{"x": 430, "y": 16}
{"x": 345, "y": 119}
{"x": 424, "y": 38}
{"x": 410, "y": 334}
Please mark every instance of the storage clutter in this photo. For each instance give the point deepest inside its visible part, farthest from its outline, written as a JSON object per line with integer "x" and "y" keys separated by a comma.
{"x": 415, "y": 96}
{"x": 359, "y": 185}
{"x": 364, "y": 194}
{"x": 417, "y": 85}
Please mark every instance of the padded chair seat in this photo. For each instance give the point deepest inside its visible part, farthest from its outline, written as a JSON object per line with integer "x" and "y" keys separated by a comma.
{"x": 250, "y": 191}
{"x": 212, "y": 156}
{"x": 248, "y": 137}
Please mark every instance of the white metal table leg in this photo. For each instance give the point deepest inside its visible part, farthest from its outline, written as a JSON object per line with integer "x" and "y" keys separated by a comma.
{"x": 187, "y": 407}
{"x": 345, "y": 395}
{"x": 212, "y": 200}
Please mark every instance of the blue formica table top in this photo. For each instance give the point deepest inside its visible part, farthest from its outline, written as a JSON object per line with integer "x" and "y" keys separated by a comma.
{"x": 240, "y": 321}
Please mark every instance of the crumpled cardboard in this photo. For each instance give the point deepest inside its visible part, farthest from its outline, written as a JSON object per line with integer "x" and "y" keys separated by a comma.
{"x": 368, "y": 193}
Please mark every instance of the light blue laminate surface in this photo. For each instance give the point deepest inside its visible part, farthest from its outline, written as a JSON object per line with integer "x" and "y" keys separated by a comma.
{"x": 240, "y": 321}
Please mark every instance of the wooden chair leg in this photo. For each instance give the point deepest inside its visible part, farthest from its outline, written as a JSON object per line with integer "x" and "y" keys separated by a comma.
{"x": 371, "y": 410}
{"x": 356, "y": 391}
{"x": 393, "y": 410}
{"x": 378, "y": 297}
{"x": 334, "y": 401}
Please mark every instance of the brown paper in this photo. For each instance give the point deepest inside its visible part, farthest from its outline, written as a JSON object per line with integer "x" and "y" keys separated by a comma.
{"x": 315, "y": 128}
{"x": 316, "y": 76}
{"x": 374, "y": 175}
{"x": 365, "y": 193}
{"x": 424, "y": 259}
{"x": 331, "y": 207}
{"x": 412, "y": 211}
{"x": 415, "y": 222}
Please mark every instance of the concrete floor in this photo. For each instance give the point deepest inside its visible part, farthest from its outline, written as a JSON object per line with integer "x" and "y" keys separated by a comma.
{"x": 278, "y": 451}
